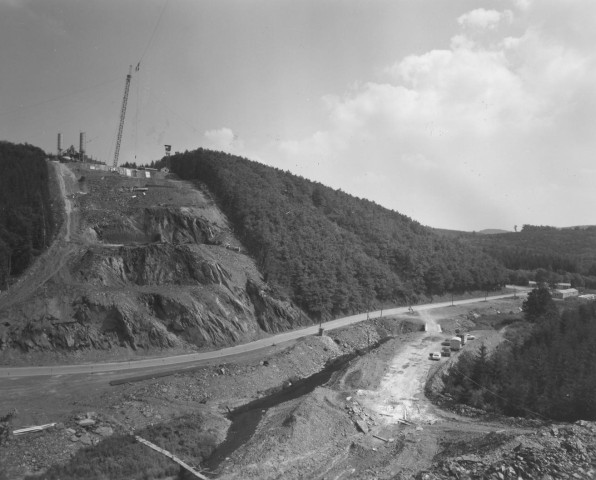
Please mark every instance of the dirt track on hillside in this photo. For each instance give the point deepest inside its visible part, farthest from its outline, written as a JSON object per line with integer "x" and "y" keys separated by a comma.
{"x": 52, "y": 260}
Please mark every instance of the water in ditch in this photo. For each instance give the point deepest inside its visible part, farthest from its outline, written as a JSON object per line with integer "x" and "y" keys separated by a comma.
{"x": 245, "y": 419}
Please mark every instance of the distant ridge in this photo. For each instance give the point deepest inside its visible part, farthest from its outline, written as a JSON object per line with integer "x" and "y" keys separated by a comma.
{"x": 492, "y": 231}
{"x": 458, "y": 233}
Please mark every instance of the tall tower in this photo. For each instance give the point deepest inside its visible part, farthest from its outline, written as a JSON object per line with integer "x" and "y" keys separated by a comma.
{"x": 122, "y": 115}
{"x": 82, "y": 146}
{"x": 168, "y": 152}
{"x": 59, "y": 145}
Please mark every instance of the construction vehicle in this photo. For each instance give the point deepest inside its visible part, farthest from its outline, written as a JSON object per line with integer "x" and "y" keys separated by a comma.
{"x": 446, "y": 352}
{"x": 463, "y": 337}
{"x": 455, "y": 344}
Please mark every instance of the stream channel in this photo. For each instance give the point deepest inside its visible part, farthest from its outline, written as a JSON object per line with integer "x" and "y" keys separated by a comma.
{"x": 246, "y": 418}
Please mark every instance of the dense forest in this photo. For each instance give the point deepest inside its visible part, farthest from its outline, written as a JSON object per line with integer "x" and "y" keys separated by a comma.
{"x": 330, "y": 252}
{"x": 550, "y": 373}
{"x": 26, "y": 219}
{"x": 552, "y": 254}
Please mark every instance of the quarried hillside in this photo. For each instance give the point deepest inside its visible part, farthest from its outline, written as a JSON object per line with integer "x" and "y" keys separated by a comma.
{"x": 328, "y": 251}
{"x": 148, "y": 264}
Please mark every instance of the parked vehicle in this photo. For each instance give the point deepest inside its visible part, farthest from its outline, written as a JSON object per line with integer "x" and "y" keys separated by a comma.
{"x": 455, "y": 344}
{"x": 434, "y": 356}
{"x": 446, "y": 352}
{"x": 446, "y": 343}
{"x": 471, "y": 337}
{"x": 463, "y": 337}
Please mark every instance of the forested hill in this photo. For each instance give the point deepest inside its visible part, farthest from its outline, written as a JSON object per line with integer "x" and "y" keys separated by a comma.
{"x": 330, "y": 252}
{"x": 26, "y": 219}
{"x": 570, "y": 252}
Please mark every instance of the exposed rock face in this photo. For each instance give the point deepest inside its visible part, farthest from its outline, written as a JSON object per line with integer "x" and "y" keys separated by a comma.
{"x": 159, "y": 264}
{"x": 179, "y": 226}
{"x": 158, "y": 277}
{"x": 274, "y": 315}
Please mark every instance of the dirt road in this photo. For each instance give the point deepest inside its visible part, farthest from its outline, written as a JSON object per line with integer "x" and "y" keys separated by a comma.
{"x": 400, "y": 396}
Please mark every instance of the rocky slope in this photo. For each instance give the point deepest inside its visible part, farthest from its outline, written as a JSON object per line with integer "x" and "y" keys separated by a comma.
{"x": 142, "y": 271}
{"x": 550, "y": 452}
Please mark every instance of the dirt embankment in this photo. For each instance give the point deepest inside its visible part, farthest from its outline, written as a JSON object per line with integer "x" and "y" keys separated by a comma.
{"x": 138, "y": 268}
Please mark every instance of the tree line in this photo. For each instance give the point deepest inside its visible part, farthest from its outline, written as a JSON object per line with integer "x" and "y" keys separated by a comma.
{"x": 545, "y": 254}
{"x": 27, "y": 223}
{"x": 328, "y": 251}
{"x": 550, "y": 373}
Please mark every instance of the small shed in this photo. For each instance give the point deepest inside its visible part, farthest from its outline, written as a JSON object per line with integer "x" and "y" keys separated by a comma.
{"x": 565, "y": 293}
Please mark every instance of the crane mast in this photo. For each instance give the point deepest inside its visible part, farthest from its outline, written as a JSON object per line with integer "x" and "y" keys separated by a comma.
{"x": 122, "y": 114}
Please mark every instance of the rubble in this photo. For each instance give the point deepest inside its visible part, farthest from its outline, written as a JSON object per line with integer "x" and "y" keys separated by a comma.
{"x": 552, "y": 452}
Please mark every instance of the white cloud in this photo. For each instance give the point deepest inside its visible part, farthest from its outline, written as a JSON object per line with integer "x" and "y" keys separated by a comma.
{"x": 223, "y": 139}
{"x": 461, "y": 135}
{"x": 522, "y": 4}
{"x": 486, "y": 19}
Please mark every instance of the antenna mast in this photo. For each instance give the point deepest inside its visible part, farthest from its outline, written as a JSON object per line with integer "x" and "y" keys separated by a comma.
{"x": 122, "y": 114}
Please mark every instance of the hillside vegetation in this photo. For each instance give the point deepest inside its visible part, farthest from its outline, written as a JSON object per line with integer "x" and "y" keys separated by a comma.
{"x": 551, "y": 372}
{"x": 26, "y": 219}
{"x": 330, "y": 252}
{"x": 553, "y": 254}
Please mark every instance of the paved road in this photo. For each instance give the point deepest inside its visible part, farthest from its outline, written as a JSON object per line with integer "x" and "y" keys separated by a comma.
{"x": 14, "y": 372}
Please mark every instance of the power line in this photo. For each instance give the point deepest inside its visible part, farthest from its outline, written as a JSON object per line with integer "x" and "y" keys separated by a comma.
{"x": 153, "y": 33}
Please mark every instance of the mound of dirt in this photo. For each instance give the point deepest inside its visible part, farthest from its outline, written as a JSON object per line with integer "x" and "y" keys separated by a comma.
{"x": 290, "y": 428}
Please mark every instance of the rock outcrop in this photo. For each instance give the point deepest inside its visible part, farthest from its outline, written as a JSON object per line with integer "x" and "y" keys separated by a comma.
{"x": 151, "y": 277}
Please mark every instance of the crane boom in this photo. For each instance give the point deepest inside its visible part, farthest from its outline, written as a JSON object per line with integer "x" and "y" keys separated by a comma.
{"x": 122, "y": 115}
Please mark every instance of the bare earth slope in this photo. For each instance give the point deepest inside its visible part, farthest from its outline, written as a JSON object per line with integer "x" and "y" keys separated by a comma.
{"x": 140, "y": 265}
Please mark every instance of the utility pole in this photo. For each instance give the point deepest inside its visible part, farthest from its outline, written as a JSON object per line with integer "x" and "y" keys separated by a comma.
{"x": 122, "y": 115}
{"x": 82, "y": 146}
{"x": 59, "y": 146}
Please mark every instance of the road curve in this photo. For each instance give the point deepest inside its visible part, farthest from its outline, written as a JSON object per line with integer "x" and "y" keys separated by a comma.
{"x": 15, "y": 372}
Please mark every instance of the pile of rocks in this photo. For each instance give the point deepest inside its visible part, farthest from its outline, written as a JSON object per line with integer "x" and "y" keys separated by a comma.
{"x": 555, "y": 452}
{"x": 89, "y": 429}
{"x": 359, "y": 416}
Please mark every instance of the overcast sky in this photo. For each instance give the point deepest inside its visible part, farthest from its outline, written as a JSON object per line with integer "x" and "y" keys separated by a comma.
{"x": 462, "y": 114}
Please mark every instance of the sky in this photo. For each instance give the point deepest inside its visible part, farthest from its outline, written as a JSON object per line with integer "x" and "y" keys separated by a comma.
{"x": 461, "y": 114}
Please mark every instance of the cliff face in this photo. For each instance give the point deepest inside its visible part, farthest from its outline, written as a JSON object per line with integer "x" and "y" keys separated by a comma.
{"x": 141, "y": 274}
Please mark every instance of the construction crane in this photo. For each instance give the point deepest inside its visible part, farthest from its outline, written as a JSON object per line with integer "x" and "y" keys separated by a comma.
{"x": 122, "y": 115}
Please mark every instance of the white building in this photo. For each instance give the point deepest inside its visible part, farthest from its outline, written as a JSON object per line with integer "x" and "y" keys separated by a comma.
{"x": 565, "y": 293}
